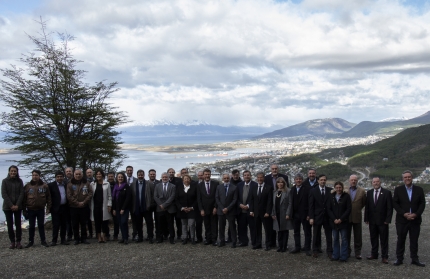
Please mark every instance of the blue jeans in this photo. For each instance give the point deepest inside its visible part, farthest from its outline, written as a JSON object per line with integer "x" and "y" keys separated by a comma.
{"x": 340, "y": 251}
{"x": 123, "y": 223}
{"x": 40, "y": 216}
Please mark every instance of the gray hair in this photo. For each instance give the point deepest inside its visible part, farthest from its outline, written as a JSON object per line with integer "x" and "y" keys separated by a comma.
{"x": 407, "y": 171}
{"x": 261, "y": 173}
{"x": 164, "y": 173}
{"x": 225, "y": 173}
{"x": 299, "y": 175}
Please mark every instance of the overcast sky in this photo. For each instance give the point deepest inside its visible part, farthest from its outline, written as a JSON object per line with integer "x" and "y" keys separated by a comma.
{"x": 243, "y": 62}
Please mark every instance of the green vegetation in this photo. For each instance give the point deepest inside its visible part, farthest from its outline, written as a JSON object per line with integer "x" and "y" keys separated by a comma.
{"x": 335, "y": 171}
{"x": 313, "y": 160}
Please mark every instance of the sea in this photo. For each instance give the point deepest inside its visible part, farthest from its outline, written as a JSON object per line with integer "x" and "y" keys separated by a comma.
{"x": 146, "y": 160}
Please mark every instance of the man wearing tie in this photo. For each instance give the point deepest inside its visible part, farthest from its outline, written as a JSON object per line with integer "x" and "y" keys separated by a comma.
{"x": 142, "y": 193}
{"x": 208, "y": 208}
{"x": 377, "y": 214}
{"x": 409, "y": 203}
{"x": 164, "y": 196}
{"x": 318, "y": 217}
{"x": 244, "y": 190}
{"x": 260, "y": 208}
{"x": 358, "y": 201}
{"x": 130, "y": 179}
{"x": 226, "y": 198}
{"x": 59, "y": 208}
{"x": 177, "y": 181}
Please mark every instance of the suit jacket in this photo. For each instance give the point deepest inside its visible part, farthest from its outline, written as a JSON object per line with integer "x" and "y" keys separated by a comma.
{"x": 229, "y": 201}
{"x": 149, "y": 194}
{"x": 382, "y": 211}
{"x": 261, "y": 204}
{"x": 357, "y": 205}
{"x": 240, "y": 200}
{"x": 207, "y": 202}
{"x": 168, "y": 199}
{"x": 306, "y": 182}
{"x": 107, "y": 200}
{"x": 177, "y": 181}
{"x": 402, "y": 204}
{"x": 269, "y": 181}
{"x": 56, "y": 197}
{"x": 318, "y": 204}
{"x": 188, "y": 199}
{"x": 300, "y": 202}
{"x": 123, "y": 202}
{"x": 134, "y": 180}
{"x": 284, "y": 210}
{"x": 339, "y": 210}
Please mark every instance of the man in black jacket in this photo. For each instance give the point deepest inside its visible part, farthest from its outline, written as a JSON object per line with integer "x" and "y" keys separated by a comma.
{"x": 378, "y": 212}
{"x": 244, "y": 189}
{"x": 178, "y": 183}
{"x": 59, "y": 208}
{"x": 260, "y": 208}
{"x": 312, "y": 180}
{"x": 299, "y": 200}
{"x": 409, "y": 203}
{"x": 208, "y": 208}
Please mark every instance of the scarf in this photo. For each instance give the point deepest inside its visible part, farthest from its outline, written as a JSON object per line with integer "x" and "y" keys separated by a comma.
{"x": 117, "y": 189}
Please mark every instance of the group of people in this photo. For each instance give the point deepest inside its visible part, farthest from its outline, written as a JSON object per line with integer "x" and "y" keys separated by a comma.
{"x": 77, "y": 200}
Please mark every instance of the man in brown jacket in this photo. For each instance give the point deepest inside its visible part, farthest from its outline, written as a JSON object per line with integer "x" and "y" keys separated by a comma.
{"x": 79, "y": 194}
{"x": 36, "y": 198}
{"x": 358, "y": 199}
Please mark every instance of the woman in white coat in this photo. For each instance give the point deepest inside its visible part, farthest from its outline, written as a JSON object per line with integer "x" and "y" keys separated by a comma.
{"x": 101, "y": 204}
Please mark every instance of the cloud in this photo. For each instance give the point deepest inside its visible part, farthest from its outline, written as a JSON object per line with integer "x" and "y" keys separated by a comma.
{"x": 237, "y": 62}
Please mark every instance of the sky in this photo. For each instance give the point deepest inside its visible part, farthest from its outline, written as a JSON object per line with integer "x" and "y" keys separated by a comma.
{"x": 242, "y": 62}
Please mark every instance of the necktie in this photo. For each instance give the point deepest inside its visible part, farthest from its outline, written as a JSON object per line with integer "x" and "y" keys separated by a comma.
{"x": 259, "y": 190}
{"x": 137, "y": 206}
{"x": 207, "y": 188}
{"x": 376, "y": 196}
{"x": 322, "y": 192}
{"x": 226, "y": 189}
{"x": 164, "y": 190}
{"x": 129, "y": 180}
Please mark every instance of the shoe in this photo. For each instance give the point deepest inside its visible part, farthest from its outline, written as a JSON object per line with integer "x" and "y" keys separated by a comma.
{"x": 319, "y": 251}
{"x": 342, "y": 261}
{"x": 398, "y": 262}
{"x": 273, "y": 246}
{"x": 371, "y": 257}
{"x": 256, "y": 247}
{"x": 233, "y": 245}
{"x": 184, "y": 241}
{"x": 76, "y": 242}
{"x": 85, "y": 241}
{"x": 308, "y": 253}
{"x": 159, "y": 241}
{"x": 279, "y": 249}
{"x": 12, "y": 245}
{"x": 29, "y": 244}
{"x": 384, "y": 261}
{"x": 53, "y": 243}
{"x": 193, "y": 242}
{"x": 418, "y": 263}
{"x": 179, "y": 237}
{"x": 295, "y": 251}
{"x": 172, "y": 241}
{"x": 358, "y": 257}
{"x": 139, "y": 240}
{"x": 121, "y": 241}
{"x": 243, "y": 244}
{"x": 330, "y": 255}
{"x": 45, "y": 244}
{"x": 228, "y": 241}
{"x": 115, "y": 238}
{"x": 64, "y": 243}
{"x": 18, "y": 245}
{"x": 126, "y": 242}
{"x": 221, "y": 244}
{"x": 315, "y": 255}
{"x": 69, "y": 239}
{"x": 151, "y": 241}
{"x": 99, "y": 238}
{"x": 333, "y": 259}
{"x": 215, "y": 244}
{"x": 267, "y": 248}
{"x": 207, "y": 242}
{"x": 90, "y": 236}
{"x": 199, "y": 240}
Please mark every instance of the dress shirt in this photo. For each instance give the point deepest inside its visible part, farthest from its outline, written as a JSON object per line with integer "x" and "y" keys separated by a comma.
{"x": 140, "y": 184}
{"x": 298, "y": 188}
{"x": 186, "y": 188}
{"x": 352, "y": 192}
{"x": 62, "y": 194}
{"x": 409, "y": 190}
{"x": 312, "y": 182}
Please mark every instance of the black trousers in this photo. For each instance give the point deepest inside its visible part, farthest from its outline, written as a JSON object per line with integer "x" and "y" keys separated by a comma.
{"x": 79, "y": 218}
{"x": 12, "y": 216}
{"x": 115, "y": 227}
{"x": 379, "y": 232}
{"x": 316, "y": 241}
{"x": 283, "y": 239}
{"x": 69, "y": 226}
{"x": 222, "y": 220}
{"x": 89, "y": 223}
{"x": 199, "y": 226}
{"x": 99, "y": 224}
{"x": 403, "y": 229}
{"x": 244, "y": 222}
{"x": 170, "y": 220}
{"x": 267, "y": 222}
{"x": 40, "y": 216}
{"x": 59, "y": 223}
{"x": 273, "y": 237}
{"x": 137, "y": 220}
{"x": 178, "y": 226}
{"x": 358, "y": 242}
{"x": 211, "y": 227}
{"x": 298, "y": 223}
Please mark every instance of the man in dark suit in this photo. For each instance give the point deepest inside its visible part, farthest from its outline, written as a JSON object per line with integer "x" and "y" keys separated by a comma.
{"x": 312, "y": 180}
{"x": 69, "y": 175}
{"x": 260, "y": 208}
{"x": 152, "y": 174}
{"x": 208, "y": 208}
{"x": 59, "y": 209}
{"x": 198, "y": 216}
{"x": 164, "y": 196}
{"x": 226, "y": 200}
{"x": 318, "y": 218}
{"x": 130, "y": 180}
{"x": 409, "y": 203}
{"x": 178, "y": 183}
{"x": 244, "y": 190}
{"x": 378, "y": 212}
{"x": 270, "y": 180}
{"x": 299, "y": 200}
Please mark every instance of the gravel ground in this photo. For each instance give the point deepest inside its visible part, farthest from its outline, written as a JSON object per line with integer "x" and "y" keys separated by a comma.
{"x": 143, "y": 260}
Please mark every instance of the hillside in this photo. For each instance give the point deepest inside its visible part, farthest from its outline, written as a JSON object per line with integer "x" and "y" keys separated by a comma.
{"x": 315, "y": 127}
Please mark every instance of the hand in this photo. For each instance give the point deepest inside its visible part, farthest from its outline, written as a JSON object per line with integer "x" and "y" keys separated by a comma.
{"x": 14, "y": 207}
{"x": 241, "y": 206}
{"x": 406, "y": 215}
{"x": 214, "y": 211}
{"x": 287, "y": 217}
{"x": 47, "y": 211}
{"x": 311, "y": 221}
{"x": 307, "y": 218}
{"x": 251, "y": 214}
{"x": 266, "y": 215}
{"x": 109, "y": 209}
{"x": 384, "y": 223}
{"x": 113, "y": 212}
{"x": 246, "y": 207}
{"x": 81, "y": 204}
{"x": 202, "y": 212}
{"x": 161, "y": 206}
{"x": 121, "y": 212}
{"x": 368, "y": 223}
{"x": 273, "y": 217}
{"x": 225, "y": 210}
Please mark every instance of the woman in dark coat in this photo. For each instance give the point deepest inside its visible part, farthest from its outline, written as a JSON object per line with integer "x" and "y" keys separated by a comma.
{"x": 121, "y": 198}
{"x": 281, "y": 212}
{"x": 12, "y": 191}
{"x": 186, "y": 202}
{"x": 338, "y": 210}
